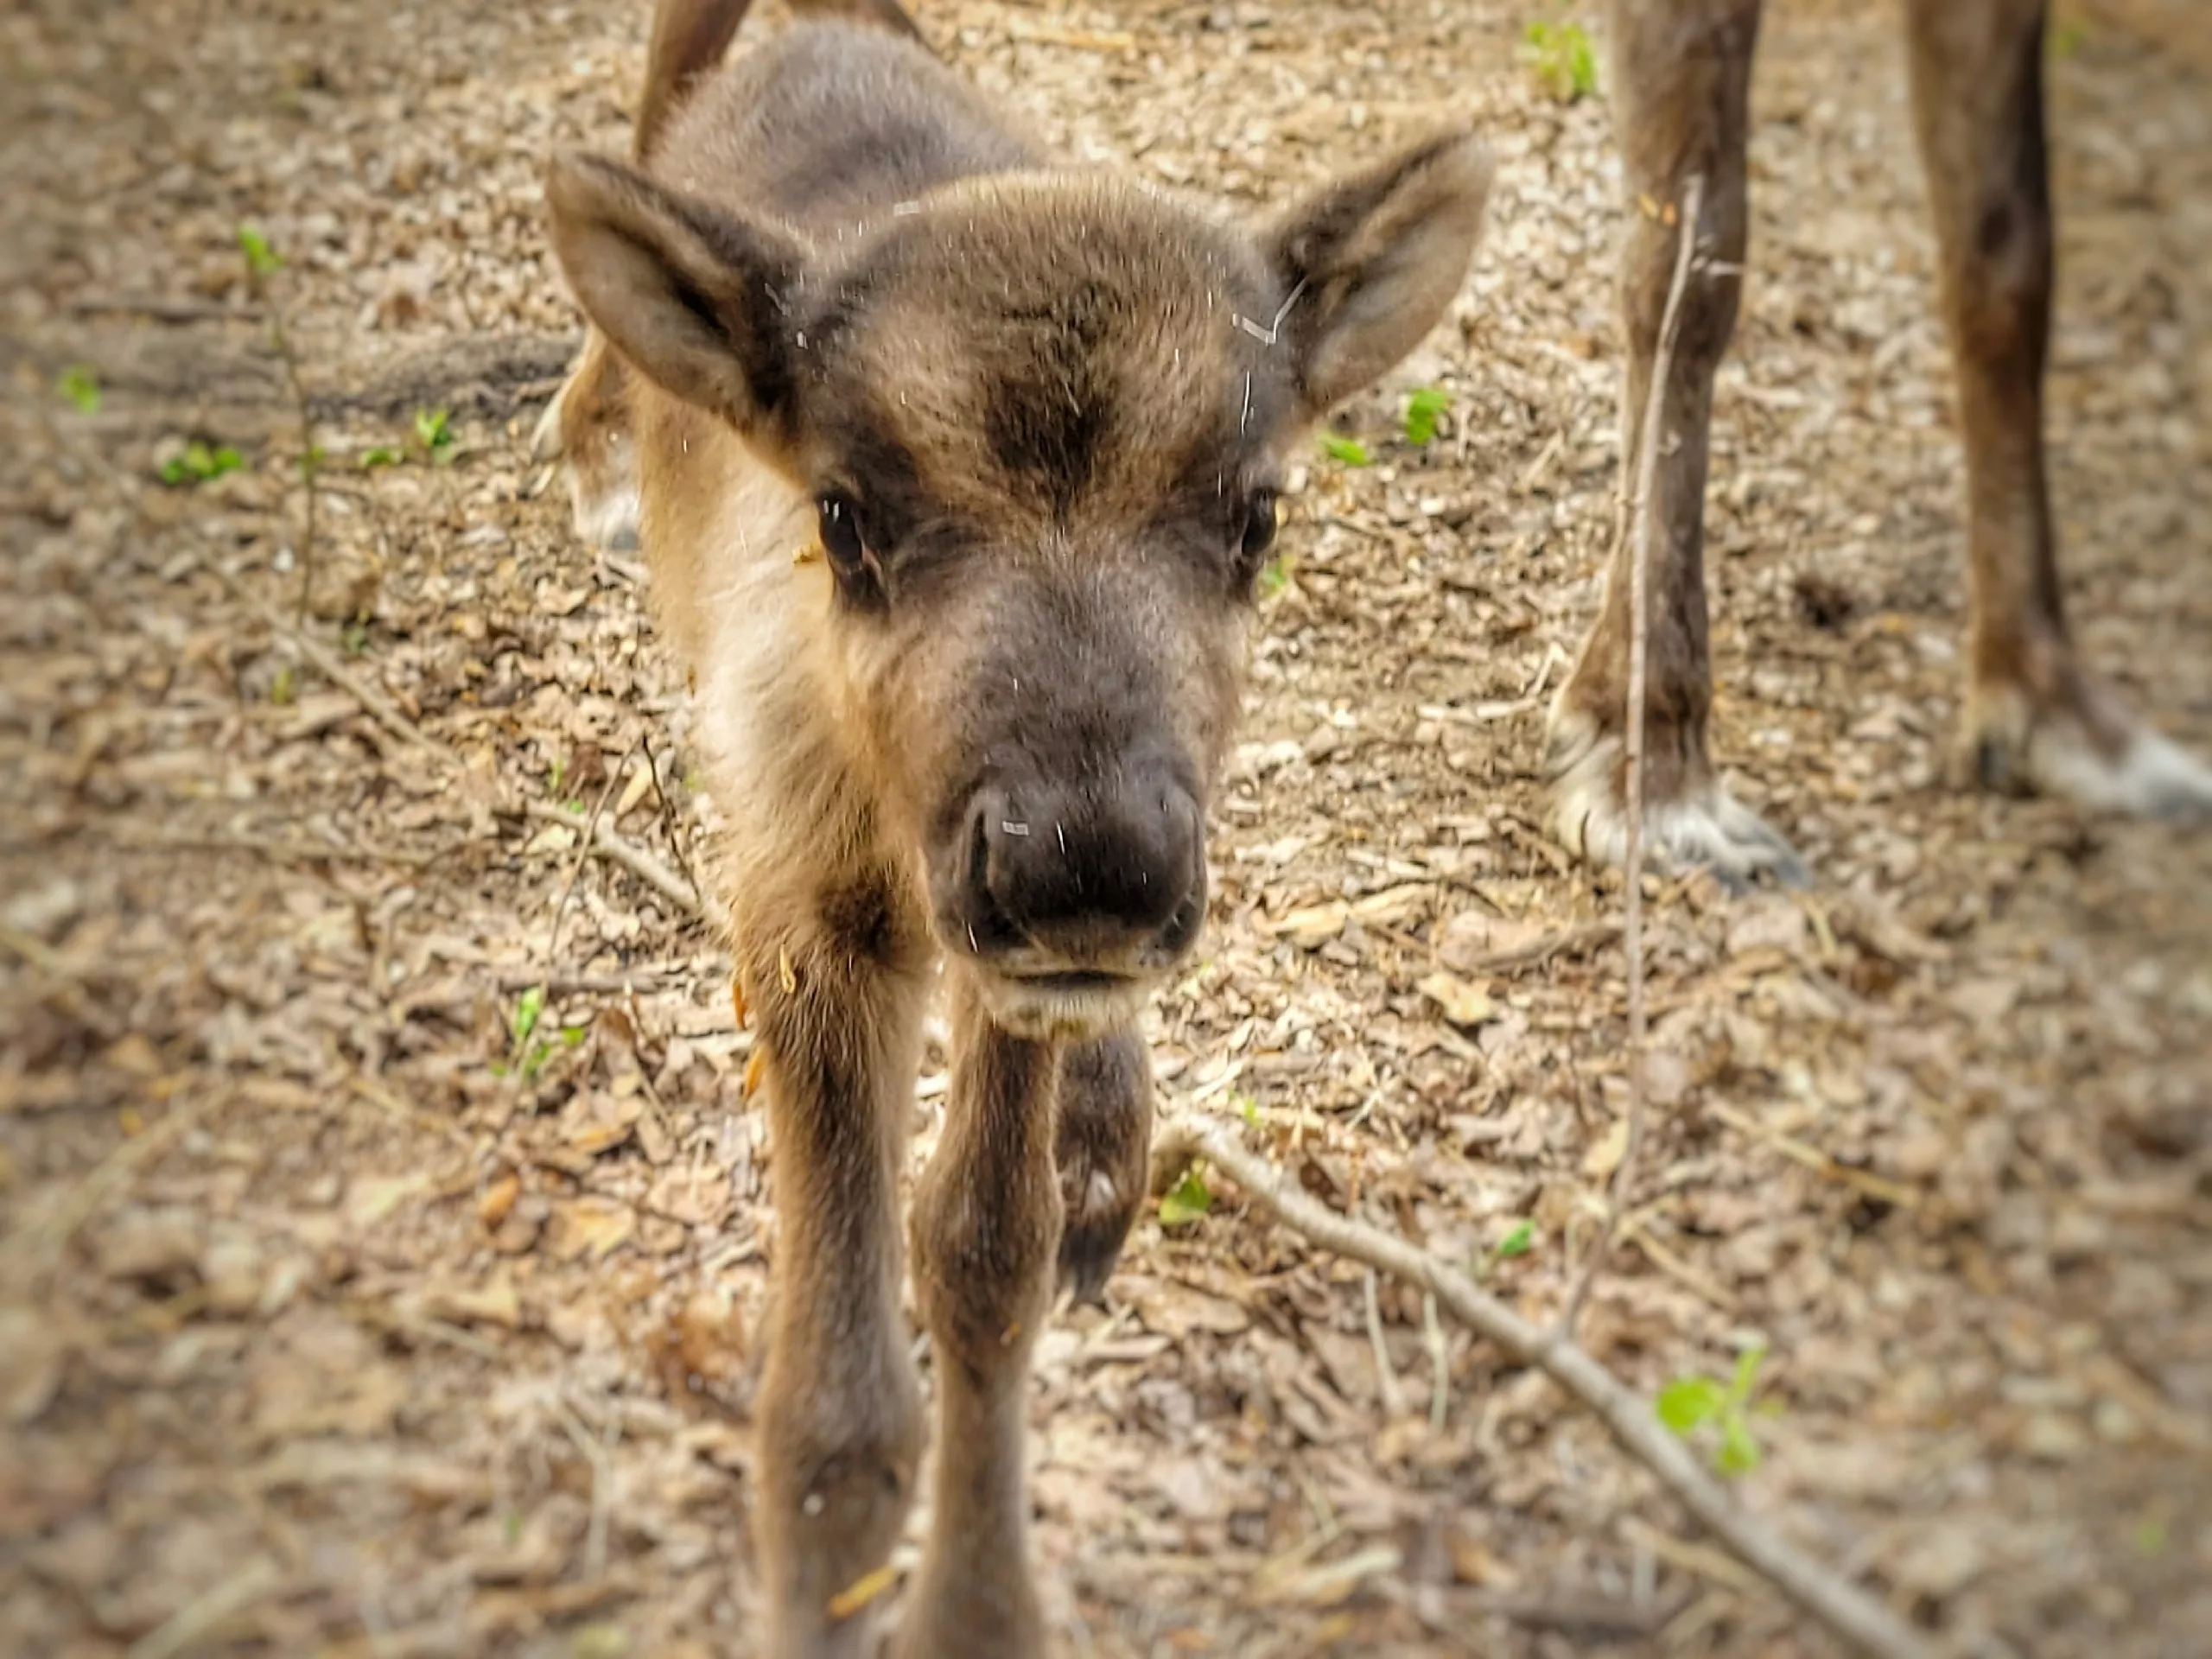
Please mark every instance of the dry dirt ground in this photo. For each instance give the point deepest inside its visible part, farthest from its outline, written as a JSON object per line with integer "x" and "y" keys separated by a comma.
{"x": 336, "y": 1320}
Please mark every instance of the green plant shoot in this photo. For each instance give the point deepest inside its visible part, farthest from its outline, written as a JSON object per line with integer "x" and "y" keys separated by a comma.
{"x": 261, "y": 259}
{"x": 1423, "y": 409}
{"x": 81, "y": 387}
{"x": 1565, "y": 63}
{"x": 1185, "y": 1201}
{"x": 1690, "y": 1403}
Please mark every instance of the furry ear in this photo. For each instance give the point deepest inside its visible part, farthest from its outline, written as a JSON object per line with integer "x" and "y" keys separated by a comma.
{"x": 692, "y": 297}
{"x": 1374, "y": 259}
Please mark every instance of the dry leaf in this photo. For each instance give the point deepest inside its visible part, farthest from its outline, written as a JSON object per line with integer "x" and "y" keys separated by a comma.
{"x": 1604, "y": 1156}
{"x": 1312, "y": 928}
{"x": 1464, "y": 1004}
{"x": 590, "y": 1229}
{"x": 498, "y": 1199}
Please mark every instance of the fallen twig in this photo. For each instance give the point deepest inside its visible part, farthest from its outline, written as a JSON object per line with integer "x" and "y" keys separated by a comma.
{"x": 1639, "y": 530}
{"x": 162, "y": 307}
{"x": 577, "y": 867}
{"x": 1874, "y": 1186}
{"x": 379, "y": 707}
{"x": 1572, "y": 943}
{"x": 199, "y": 1618}
{"x": 1841, "y": 1606}
{"x": 611, "y": 847}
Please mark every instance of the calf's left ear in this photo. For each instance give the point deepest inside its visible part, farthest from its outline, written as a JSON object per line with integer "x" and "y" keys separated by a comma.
{"x": 1373, "y": 259}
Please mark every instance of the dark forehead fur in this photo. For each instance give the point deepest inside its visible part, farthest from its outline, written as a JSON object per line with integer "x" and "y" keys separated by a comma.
{"x": 988, "y": 331}
{"x": 1052, "y": 339}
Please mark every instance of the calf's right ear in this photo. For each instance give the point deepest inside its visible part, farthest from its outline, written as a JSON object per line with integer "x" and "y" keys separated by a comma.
{"x": 694, "y": 298}
{"x": 1372, "y": 261}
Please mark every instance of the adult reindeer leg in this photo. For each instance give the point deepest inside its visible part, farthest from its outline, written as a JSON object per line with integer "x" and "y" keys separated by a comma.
{"x": 1683, "y": 74}
{"x": 2035, "y": 720}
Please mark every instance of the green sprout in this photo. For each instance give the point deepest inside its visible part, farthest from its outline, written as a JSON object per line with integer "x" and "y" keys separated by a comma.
{"x": 261, "y": 259}
{"x": 1689, "y": 1403}
{"x": 1185, "y": 1201}
{"x": 1350, "y": 451}
{"x": 1519, "y": 1242}
{"x": 433, "y": 431}
{"x": 382, "y": 454}
{"x": 81, "y": 387}
{"x": 199, "y": 463}
{"x": 1565, "y": 64}
{"x": 1423, "y": 409}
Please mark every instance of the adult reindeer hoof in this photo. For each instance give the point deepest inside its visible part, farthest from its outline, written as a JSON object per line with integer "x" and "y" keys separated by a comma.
{"x": 1701, "y": 827}
{"x": 2094, "y": 752}
{"x": 587, "y": 428}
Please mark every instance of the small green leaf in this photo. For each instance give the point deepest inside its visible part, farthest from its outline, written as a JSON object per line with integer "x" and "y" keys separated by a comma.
{"x": 1423, "y": 409}
{"x": 2150, "y": 1537}
{"x": 1688, "y": 1402}
{"x": 260, "y": 259}
{"x": 281, "y": 690}
{"x": 1350, "y": 451}
{"x": 528, "y": 1006}
{"x": 1565, "y": 63}
{"x": 1519, "y": 1242}
{"x": 311, "y": 462}
{"x": 555, "y": 772}
{"x": 1274, "y": 577}
{"x": 573, "y": 1036}
{"x": 355, "y": 637}
{"x": 434, "y": 428}
{"x": 382, "y": 455}
{"x": 1747, "y": 1376}
{"x": 1739, "y": 1451}
{"x": 534, "y": 1061}
{"x": 1186, "y": 1200}
{"x": 1249, "y": 1109}
{"x": 81, "y": 387}
{"x": 198, "y": 464}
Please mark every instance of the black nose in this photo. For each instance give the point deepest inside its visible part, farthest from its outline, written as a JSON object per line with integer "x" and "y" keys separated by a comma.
{"x": 1108, "y": 876}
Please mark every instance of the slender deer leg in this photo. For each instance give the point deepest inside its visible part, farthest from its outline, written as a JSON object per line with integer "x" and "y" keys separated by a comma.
{"x": 835, "y": 976}
{"x": 1103, "y": 1140}
{"x": 986, "y": 1228}
{"x": 1683, "y": 69}
{"x": 2035, "y": 720}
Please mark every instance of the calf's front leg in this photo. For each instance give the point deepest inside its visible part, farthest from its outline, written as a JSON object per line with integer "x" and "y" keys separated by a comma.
{"x": 834, "y": 973}
{"x": 986, "y": 1231}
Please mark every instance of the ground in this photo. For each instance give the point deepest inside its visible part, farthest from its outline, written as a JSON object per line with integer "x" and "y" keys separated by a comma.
{"x": 338, "y": 1317}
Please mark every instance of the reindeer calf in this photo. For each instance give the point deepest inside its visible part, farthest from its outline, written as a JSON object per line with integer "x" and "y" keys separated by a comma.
{"x": 955, "y": 469}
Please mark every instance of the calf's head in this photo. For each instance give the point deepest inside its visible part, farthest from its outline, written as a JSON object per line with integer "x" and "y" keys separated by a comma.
{"x": 1043, "y": 418}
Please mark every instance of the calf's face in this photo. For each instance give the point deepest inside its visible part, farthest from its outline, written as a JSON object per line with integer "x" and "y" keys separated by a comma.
{"x": 1043, "y": 419}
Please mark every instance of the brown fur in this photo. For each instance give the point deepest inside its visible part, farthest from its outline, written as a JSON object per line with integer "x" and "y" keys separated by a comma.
{"x": 2034, "y": 716}
{"x": 955, "y": 469}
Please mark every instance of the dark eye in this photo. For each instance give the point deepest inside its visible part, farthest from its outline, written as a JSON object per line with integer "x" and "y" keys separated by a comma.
{"x": 841, "y": 533}
{"x": 1259, "y": 528}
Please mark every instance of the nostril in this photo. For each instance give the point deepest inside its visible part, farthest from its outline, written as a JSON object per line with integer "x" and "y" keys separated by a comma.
{"x": 1183, "y": 926}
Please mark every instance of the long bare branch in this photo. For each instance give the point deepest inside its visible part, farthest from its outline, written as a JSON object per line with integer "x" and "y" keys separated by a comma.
{"x": 1845, "y": 1610}
{"x": 1648, "y": 438}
